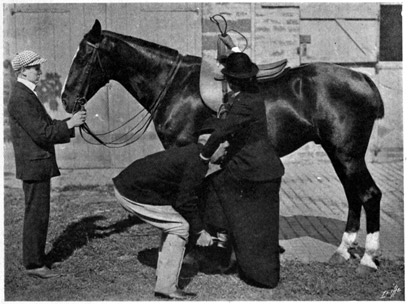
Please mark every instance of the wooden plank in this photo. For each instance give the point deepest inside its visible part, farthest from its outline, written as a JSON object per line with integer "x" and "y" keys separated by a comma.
{"x": 123, "y": 106}
{"x": 342, "y": 41}
{"x": 391, "y": 87}
{"x": 9, "y": 39}
{"x": 339, "y": 10}
{"x": 97, "y": 107}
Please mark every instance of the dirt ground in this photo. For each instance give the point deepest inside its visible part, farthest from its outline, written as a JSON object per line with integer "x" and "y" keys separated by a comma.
{"x": 107, "y": 255}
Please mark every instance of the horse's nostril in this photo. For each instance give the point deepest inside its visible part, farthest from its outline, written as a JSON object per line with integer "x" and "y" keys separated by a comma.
{"x": 64, "y": 103}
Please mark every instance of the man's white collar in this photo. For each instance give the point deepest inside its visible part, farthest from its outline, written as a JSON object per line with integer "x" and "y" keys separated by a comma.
{"x": 27, "y": 83}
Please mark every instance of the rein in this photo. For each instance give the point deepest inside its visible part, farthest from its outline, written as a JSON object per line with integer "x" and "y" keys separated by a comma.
{"x": 81, "y": 101}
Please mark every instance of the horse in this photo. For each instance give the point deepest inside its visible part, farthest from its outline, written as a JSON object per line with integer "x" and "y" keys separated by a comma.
{"x": 325, "y": 103}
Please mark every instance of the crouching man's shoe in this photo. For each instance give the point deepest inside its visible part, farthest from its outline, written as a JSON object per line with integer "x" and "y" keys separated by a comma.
{"x": 178, "y": 295}
{"x": 42, "y": 273}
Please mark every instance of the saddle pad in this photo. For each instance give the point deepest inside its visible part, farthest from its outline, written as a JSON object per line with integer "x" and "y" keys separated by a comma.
{"x": 272, "y": 70}
{"x": 273, "y": 65}
{"x": 210, "y": 89}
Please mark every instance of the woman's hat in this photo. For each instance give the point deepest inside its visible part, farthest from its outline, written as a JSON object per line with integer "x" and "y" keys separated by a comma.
{"x": 239, "y": 65}
{"x": 25, "y": 59}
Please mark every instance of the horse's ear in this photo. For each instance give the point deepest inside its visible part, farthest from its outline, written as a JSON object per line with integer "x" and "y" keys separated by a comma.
{"x": 96, "y": 29}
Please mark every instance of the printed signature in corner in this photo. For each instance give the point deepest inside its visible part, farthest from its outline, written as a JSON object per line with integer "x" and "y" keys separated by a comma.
{"x": 389, "y": 294}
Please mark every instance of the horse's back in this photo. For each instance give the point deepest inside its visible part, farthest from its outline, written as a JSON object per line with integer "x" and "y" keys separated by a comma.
{"x": 312, "y": 85}
{"x": 310, "y": 99}
{"x": 346, "y": 84}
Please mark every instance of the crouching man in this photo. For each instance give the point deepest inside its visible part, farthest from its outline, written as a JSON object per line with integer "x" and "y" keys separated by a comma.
{"x": 161, "y": 189}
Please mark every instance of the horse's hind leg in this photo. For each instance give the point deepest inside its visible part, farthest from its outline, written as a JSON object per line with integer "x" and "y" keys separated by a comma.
{"x": 361, "y": 191}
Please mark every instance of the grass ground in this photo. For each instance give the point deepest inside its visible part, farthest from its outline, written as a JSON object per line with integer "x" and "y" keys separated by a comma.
{"x": 108, "y": 256}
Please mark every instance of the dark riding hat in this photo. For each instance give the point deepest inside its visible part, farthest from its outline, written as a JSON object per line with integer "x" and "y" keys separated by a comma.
{"x": 209, "y": 126}
{"x": 239, "y": 65}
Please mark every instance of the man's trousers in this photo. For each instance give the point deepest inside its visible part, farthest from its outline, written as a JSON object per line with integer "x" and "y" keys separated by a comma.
{"x": 36, "y": 217}
{"x": 175, "y": 231}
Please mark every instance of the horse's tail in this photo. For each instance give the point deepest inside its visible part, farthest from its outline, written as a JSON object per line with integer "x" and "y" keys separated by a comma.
{"x": 377, "y": 101}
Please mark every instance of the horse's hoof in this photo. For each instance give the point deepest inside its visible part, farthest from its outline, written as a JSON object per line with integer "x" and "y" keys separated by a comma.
{"x": 336, "y": 259}
{"x": 363, "y": 270}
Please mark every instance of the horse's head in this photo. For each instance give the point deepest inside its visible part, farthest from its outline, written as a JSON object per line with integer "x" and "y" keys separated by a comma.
{"x": 90, "y": 70}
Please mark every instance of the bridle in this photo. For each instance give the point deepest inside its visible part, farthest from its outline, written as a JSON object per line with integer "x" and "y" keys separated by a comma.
{"x": 81, "y": 101}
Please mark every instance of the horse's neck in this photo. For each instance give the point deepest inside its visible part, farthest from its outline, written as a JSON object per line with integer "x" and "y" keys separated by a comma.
{"x": 142, "y": 71}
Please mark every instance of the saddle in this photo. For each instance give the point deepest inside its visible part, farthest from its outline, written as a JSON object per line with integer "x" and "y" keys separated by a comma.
{"x": 211, "y": 79}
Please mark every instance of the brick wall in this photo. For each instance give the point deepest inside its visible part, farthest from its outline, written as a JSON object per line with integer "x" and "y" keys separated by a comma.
{"x": 276, "y": 33}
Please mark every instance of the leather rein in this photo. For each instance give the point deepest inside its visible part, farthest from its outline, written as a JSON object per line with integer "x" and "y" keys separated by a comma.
{"x": 81, "y": 101}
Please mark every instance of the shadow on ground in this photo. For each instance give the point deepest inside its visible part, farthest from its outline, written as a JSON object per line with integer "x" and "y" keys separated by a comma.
{"x": 78, "y": 234}
{"x": 327, "y": 230}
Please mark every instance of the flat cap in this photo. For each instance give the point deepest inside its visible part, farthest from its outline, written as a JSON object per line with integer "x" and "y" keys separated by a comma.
{"x": 26, "y": 58}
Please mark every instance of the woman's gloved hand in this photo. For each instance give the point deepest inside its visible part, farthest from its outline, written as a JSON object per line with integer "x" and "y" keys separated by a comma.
{"x": 205, "y": 239}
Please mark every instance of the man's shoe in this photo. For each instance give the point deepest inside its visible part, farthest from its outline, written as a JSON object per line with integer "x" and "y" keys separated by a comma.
{"x": 281, "y": 249}
{"x": 52, "y": 265}
{"x": 42, "y": 273}
{"x": 56, "y": 264}
{"x": 178, "y": 295}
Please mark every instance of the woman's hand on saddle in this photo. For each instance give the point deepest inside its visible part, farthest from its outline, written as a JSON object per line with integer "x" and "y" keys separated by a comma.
{"x": 205, "y": 239}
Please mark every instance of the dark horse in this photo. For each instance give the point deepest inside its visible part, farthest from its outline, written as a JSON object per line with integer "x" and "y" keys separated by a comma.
{"x": 331, "y": 105}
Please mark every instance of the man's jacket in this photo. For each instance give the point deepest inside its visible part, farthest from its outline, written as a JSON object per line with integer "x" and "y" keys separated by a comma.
{"x": 171, "y": 177}
{"x": 251, "y": 155}
{"x": 34, "y": 135}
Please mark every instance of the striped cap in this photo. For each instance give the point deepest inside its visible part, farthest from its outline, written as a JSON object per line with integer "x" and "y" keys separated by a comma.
{"x": 26, "y": 58}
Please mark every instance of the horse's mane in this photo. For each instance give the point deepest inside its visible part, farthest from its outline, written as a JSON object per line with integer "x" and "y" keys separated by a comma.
{"x": 137, "y": 43}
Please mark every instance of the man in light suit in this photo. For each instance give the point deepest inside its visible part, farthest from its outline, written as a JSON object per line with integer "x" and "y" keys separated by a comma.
{"x": 34, "y": 134}
{"x": 162, "y": 190}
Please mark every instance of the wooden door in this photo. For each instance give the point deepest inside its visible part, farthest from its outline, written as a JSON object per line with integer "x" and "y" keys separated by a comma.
{"x": 339, "y": 32}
